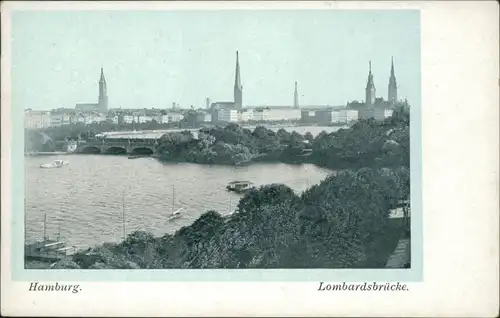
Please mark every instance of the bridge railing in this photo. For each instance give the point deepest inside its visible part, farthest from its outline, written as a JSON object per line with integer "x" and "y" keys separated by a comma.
{"x": 124, "y": 141}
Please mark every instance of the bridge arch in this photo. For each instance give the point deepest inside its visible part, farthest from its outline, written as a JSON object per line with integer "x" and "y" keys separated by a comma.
{"x": 142, "y": 150}
{"x": 91, "y": 149}
{"x": 115, "y": 150}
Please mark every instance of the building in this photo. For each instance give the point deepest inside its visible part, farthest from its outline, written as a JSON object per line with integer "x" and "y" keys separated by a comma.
{"x": 175, "y": 117}
{"x": 59, "y": 119}
{"x": 370, "y": 88}
{"x": 127, "y": 119}
{"x": 115, "y": 119}
{"x": 261, "y": 114}
{"x": 348, "y": 115}
{"x": 276, "y": 113}
{"x": 308, "y": 116}
{"x": 203, "y": 118}
{"x": 245, "y": 115}
{"x": 333, "y": 115}
{"x": 295, "y": 97}
{"x": 87, "y": 118}
{"x": 237, "y": 102}
{"x": 375, "y": 113}
{"x": 392, "y": 97}
{"x": 161, "y": 119}
{"x": 238, "y": 88}
{"x": 36, "y": 119}
{"x": 102, "y": 104}
{"x": 227, "y": 115}
{"x": 103, "y": 93}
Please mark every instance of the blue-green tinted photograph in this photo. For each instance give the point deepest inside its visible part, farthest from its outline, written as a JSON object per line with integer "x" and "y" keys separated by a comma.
{"x": 216, "y": 145}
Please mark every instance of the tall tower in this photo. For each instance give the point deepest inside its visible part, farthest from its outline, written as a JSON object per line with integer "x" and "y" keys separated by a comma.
{"x": 238, "y": 89}
{"x": 103, "y": 93}
{"x": 295, "y": 97}
{"x": 393, "y": 87}
{"x": 370, "y": 88}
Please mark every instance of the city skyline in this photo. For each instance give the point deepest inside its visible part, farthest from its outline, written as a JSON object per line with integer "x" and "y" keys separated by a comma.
{"x": 267, "y": 79}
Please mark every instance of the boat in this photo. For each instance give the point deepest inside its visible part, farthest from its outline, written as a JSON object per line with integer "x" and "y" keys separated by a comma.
{"x": 176, "y": 214}
{"x": 48, "y": 250}
{"x": 56, "y": 164}
{"x": 240, "y": 186}
{"x": 138, "y": 156}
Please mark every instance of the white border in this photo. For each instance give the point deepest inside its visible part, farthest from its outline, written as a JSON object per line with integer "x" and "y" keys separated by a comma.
{"x": 460, "y": 114}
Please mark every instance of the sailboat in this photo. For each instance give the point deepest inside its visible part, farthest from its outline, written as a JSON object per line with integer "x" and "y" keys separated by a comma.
{"x": 231, "y": 212}
{"x": 123, "y": 217}
{"x": 48, "y": 249}
{"x": 175, "y": 214}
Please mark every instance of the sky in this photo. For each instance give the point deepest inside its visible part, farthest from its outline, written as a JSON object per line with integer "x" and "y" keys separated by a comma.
{"x": 153, "y": 58}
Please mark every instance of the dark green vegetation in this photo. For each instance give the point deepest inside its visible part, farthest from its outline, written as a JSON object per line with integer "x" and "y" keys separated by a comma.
{"x": 367, "y": 143}
{"x": 341, "y": 223}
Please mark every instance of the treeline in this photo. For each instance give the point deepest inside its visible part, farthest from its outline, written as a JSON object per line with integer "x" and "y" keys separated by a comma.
{"x": 341, "y": 223}
{"x": 368, "y": 143}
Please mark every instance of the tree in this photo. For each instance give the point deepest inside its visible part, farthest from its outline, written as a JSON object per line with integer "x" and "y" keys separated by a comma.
{"x": 309, "y": 137}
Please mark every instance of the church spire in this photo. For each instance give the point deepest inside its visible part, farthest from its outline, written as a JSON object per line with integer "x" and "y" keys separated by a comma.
{"x": 237, "y": 79}
{"x": 102, "y": 76}
{"x": 370, "y": 87}
{"x": 103, "y": 93}
{"x": 393, "y": 87}
{"x": 238, "y": 88}
{"x": 295, "y": 97}
{"x": 392, "y": 67}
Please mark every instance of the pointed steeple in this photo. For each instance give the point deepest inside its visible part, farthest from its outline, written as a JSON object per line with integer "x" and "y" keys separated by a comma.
{"x": 393, "y": 86}
{"x": 102, "y": 79}
{"x": 238, "y": 88}
{"x": 103, "y": 93}
{"x": 237, "y": 79}
{"x": 295, "y": 97}
{"x": 370, "y": 87}
{"x": 392, "y": 67}
{"x": 369, "y": 83}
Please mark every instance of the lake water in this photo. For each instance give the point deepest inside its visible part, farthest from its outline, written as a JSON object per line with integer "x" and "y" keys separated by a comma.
{"x": 85, "y": 198}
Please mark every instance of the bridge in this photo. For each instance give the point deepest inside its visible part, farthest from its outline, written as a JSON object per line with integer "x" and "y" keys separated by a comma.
{"x": 118, "y": 146}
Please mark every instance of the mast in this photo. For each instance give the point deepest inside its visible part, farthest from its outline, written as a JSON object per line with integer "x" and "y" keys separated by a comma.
{"x": 173, "y": 199}
{"x": 59, "y": 231}
{"x": 45, "y": 227}
{"x": 123, "y": 216}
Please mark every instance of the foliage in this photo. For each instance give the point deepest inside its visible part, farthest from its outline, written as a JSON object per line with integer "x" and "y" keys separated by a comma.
{"x": 340, "y": 223}
{"x": 65, "y": 264}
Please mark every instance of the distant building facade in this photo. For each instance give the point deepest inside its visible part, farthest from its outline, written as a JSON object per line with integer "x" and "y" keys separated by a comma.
{"x": 227, "y": 115}
{"x": 377, "y": 114}
{"x": 36, "y": 119}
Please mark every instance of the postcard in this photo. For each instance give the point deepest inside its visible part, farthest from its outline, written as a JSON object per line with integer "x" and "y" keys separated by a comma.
{"x": 249, "y": 158}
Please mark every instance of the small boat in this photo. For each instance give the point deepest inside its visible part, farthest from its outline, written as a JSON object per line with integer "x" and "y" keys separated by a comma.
{"x": 56, "y": 164}
{"x": 240, "y": 186}
{"x": 175, "y": 213}
{"x": 48, "y": 250}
